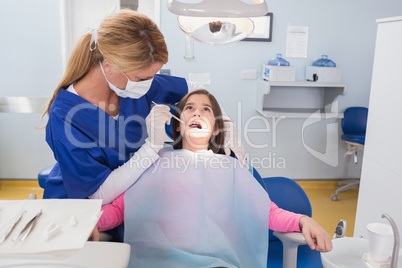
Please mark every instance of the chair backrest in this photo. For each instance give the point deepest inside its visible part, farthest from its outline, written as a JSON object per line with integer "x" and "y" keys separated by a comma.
{"x": 355, "y": 120}
{"x": 288, "y": 195}
{"x": 256, "y": 175}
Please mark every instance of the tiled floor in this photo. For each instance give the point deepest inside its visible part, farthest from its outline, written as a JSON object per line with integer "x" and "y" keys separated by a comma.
{"x": 325, "y": 211}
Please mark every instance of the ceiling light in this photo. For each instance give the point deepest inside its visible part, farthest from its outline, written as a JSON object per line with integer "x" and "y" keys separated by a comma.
{"x": 217, "y": 22}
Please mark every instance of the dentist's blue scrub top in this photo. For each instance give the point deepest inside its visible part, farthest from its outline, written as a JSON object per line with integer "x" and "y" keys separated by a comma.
{"x": 88, "y": 143}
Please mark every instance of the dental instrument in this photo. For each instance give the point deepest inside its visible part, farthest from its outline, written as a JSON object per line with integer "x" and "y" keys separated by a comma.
{"x": 51, "y": 230}
{"x": 175, "y": 117}
{"x": 29, "y": 226}
{"x": 12, "y": 224}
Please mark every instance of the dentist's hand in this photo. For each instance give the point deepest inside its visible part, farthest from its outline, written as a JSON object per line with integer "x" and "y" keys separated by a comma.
{"x": 156, "y": 120}
{"x": 232, "y": 142}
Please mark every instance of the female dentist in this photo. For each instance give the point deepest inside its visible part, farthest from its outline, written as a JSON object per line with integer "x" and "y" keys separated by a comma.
{"x": 97, "y": 128}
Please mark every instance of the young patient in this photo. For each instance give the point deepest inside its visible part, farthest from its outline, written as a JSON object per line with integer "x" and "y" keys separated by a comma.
{"x": 196, "y": 207}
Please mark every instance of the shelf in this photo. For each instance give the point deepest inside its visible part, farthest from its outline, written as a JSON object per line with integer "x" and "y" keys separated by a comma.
{"x": 299, "y": 99}
{"x": 299, "y": 114}
{"x": 303, "y": 84}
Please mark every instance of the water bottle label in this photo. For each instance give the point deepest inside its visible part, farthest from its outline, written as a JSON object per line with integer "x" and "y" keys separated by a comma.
{"x": 266, "y": 72}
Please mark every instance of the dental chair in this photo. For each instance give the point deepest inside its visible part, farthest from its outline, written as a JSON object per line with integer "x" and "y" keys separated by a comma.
{"x": 43, "y": 175}
{"x": 353, "y": 125}
{"x": 289, "y": 250}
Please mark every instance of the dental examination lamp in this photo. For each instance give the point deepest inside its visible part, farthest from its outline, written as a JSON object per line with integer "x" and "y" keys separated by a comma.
{"x": 217, "y": 22}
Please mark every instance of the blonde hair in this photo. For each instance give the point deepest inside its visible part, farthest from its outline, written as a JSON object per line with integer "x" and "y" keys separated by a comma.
{"x": 130, "y": 40}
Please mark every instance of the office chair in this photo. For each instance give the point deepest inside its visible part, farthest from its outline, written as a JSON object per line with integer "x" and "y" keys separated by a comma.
{"x": 289, "y": 250}
{"x": 353, "y": 125}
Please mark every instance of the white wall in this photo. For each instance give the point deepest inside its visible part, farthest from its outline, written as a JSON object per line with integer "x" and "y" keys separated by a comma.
{"x": 345, "y": 30}
{"x": 31, "y": 66}
{"x": 381, "y": 182}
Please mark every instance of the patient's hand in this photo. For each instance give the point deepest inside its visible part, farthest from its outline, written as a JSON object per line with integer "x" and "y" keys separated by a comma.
{"x": 312, "y": 230}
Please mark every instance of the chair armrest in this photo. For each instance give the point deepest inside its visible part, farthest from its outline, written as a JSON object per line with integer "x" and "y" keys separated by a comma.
{"x": 290, "y": 242}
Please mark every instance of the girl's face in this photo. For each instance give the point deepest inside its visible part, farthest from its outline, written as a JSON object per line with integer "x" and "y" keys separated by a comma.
{"x": 199, "y": 120}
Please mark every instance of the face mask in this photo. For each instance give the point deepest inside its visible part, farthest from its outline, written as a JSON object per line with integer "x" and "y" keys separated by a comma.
{"x": 134, "y": 90}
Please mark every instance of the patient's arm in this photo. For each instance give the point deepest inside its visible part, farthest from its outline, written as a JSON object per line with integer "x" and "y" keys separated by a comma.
{"x": 113, "y": 214}
{"x": 285, "y": 221}
{"x": 282, "y": 220}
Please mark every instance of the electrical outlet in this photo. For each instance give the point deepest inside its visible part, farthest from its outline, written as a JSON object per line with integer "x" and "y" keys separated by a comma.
{"x": 164, "y": 71}
{"x": 249, "y": 74}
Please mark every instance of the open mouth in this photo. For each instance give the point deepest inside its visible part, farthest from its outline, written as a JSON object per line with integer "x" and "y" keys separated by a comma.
{"x": 195, "y": 124}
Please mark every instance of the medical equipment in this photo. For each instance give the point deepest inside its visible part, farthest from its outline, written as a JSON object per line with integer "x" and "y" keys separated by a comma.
{"x": 175, "y": 117}
{"x": 133, "y": 89}
{"x": 323, "y": 70}
{"x": 217, "y": 22}
{"x": 10, "y": 228}
{"x": 51, "y": 230}
{"x": 346, "y": 252}
{"x": 38, "y": 237}
{"x": 29, "y": 226}
{"x": 278, "y": 69}
{"x": 278, "y": 73}
{"x": 340, "y": 229}
{"x": 323, "y": 74}
{"x": 353, "y": 252}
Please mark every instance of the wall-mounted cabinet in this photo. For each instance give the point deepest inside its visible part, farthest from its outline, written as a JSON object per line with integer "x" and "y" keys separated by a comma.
{"x": 298, "y": 99}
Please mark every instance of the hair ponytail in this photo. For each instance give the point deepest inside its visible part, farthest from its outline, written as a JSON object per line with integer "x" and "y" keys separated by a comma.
{"x": 81, "y": 61}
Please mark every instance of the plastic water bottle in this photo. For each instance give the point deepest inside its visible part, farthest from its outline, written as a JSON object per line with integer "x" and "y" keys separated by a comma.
{"x": 278, "y": 61}
{"x": 324, "y": 62}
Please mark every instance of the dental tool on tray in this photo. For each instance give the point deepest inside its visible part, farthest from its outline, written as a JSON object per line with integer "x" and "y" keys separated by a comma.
{"x": 29, "y": 226}
{"x": 175, "y": 117}
{"x": 9, "y": 229}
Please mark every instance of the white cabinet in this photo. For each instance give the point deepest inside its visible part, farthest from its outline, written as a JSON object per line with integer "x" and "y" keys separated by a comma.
{"x": 381, "y": 179}
{"x": 298, "y": 99}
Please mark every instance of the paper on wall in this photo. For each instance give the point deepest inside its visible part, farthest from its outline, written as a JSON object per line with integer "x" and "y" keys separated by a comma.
{"x": 297, "y": 41}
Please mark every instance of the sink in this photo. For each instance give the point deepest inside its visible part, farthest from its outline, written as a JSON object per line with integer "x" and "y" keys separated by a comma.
{"x": 347, "y": 252}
